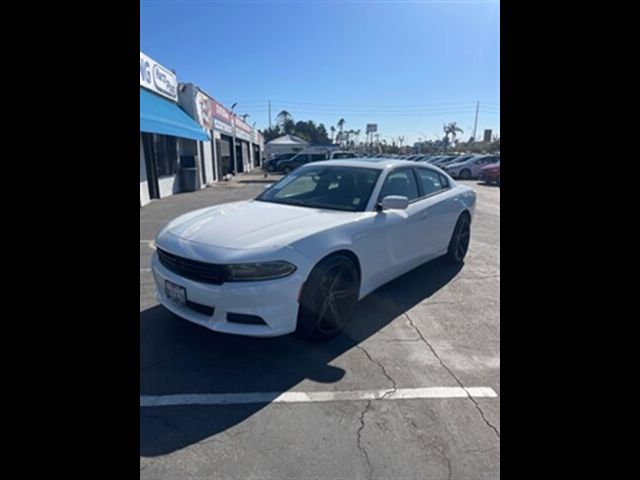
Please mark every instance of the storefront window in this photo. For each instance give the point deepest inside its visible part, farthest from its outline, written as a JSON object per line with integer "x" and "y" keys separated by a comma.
{"x": 165, "y": 155}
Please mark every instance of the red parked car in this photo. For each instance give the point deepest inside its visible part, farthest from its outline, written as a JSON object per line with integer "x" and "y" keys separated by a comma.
{"x": 490, "y": 173}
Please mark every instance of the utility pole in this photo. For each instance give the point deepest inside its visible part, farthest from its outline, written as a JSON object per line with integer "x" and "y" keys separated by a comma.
{"x": 269, "y": 114}
{"x": 235, "y": 153}
{"x": 475, "y": 124}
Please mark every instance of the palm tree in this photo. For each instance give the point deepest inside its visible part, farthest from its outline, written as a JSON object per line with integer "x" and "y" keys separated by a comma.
{"x": 333, "y": 131}
{"x": 450, "y": 129}
{"x": 357, "y": 133}
{"x": 341, "y": 123}
{"x": 283, "y": 119}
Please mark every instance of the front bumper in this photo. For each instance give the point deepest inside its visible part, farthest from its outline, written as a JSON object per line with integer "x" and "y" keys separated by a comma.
{"x": 275, "y": 301}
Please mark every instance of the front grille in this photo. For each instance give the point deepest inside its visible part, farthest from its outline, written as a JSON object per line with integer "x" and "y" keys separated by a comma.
{"x": 193, "y": 269}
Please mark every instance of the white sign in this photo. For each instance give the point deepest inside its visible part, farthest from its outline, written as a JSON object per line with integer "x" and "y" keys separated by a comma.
{"x": 157, "y": 78}
{"x": 223, "y": 127}
{"x": 243, "y": 135}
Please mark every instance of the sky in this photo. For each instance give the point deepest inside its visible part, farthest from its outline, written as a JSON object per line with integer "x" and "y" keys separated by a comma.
{"x": 409, "y": 66}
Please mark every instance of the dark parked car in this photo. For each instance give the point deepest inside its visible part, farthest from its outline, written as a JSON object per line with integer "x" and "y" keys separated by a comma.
{"x": 292, "y": 163}
{"x": 270, "y": 165}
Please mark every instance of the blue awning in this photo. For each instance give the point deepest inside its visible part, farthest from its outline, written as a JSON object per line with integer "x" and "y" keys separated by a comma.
{"x": 158, "y": 115}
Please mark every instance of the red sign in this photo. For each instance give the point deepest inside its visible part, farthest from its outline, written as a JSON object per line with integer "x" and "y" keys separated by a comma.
{"x": 220, "y": 112}
{"x": 242, "y": 126}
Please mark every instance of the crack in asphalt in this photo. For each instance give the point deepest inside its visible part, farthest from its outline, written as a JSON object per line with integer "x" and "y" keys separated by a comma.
{"x": 399, "y": 340}
{"x": 359, "y": 433}
{"x": 446, "y": 367}
{"x": 394, "y": 387}
{"x": 482, "y": 277}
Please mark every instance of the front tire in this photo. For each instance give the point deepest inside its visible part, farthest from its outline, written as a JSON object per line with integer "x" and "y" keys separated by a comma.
{"x": 286, "y": 170}
{"x": 465, "y": 174}
{"x": 328, "y": 298}
{"x": 459, "y": 243}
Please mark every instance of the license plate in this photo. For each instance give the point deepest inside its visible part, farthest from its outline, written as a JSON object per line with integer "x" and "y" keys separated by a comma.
{"x": 175, "y": 293}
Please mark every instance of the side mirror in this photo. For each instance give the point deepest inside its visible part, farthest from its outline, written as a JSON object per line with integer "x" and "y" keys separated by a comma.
{"x": 394, "y": 202}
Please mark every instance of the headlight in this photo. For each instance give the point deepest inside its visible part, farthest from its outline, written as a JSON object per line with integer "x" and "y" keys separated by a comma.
{"x": 248, "y": 272}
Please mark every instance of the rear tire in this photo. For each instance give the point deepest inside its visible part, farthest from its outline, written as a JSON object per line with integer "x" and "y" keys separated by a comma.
{"x": 328, "y": 298}
{"x": 465, "y": 174}
{"x": 459, "y": 243}
{"x": 286, "y": 170}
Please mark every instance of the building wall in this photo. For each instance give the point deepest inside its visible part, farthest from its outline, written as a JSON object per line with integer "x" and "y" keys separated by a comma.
{"x": 207, "y": 151}
{"x": 186, "y": 99}
{"x": 169, "y": 186}
{"x": 144, "y": 185}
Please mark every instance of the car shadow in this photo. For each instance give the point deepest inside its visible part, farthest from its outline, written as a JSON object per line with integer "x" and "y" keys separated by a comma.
{"x": 178, "y": 357}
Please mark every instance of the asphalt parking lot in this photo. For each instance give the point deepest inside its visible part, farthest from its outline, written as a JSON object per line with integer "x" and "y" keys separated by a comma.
{"x": 437, "y": 326}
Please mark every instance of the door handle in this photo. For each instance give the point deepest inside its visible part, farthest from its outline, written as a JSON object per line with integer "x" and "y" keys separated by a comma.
{"x": 424, "y": 215}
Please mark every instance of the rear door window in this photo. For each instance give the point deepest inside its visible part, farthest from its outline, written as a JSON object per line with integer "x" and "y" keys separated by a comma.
{"x": 400, "y": 182}
{"x": 430, "y": 181}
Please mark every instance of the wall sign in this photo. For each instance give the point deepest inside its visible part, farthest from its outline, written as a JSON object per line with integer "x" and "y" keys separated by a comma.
{"x": 157, "y": 78}
{"x": 204, "y": 109}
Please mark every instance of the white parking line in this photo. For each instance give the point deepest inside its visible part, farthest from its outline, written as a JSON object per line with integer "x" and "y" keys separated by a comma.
{"x": 150, "y": 243}
{"x": 307, "y": 397}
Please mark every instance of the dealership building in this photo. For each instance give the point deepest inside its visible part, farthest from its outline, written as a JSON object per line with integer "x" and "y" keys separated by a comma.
{"x": 187, "y": 139}
{"x": 234, "y": 147}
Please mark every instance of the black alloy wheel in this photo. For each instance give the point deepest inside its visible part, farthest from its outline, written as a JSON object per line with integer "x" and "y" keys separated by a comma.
{"x": 329, "y": 297}
{"x": 459, "y": 243}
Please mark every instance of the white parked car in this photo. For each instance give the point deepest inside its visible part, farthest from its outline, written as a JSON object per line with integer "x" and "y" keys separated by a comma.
{"x": 300, "y": 255}
{"x": 470, "y": 168}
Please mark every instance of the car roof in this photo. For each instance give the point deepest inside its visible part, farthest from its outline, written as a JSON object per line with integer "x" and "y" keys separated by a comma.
{"x": 363, "y": 162}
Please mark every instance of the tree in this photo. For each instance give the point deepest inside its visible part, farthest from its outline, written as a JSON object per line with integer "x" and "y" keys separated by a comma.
{"x": 341, "y": 123}
{"x": 333, "y": 131}
{"x": 285, "y": 122}
{"x": 450, "y": 129}
{"x": 270, "y": 133}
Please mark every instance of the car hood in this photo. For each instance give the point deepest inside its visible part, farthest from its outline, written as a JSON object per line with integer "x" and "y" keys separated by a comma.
{"x": 253, "y": 224}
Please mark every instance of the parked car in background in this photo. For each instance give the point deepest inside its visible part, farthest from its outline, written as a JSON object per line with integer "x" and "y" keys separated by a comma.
{"x": 339, "y": 154}
{"x": 470, "y": 168}
{"x": 286, "y": 166}
{"x": 455, "y": 159}
{"x": 444, "y": 160}
{"x": 270, "y": 165}
{"x": 490, "y": 173}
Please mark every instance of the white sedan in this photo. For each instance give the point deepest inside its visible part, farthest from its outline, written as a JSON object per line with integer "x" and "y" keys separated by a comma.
{"x": 300, "y": 255}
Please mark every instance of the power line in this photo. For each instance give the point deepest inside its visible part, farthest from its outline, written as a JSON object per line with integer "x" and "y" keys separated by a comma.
{"x": 367, "y": 106}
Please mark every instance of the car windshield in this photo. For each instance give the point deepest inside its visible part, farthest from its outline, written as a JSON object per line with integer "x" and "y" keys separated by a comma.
{"x": 334, "y": 188}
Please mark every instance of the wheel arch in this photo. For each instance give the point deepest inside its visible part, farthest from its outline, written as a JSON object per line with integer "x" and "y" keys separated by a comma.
{"x": 348, "y": 253}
